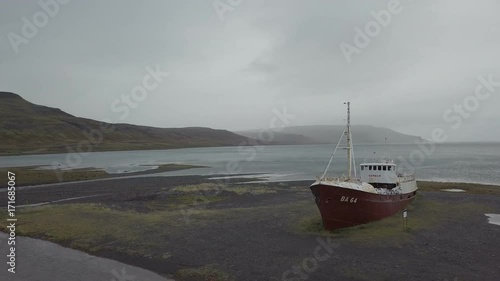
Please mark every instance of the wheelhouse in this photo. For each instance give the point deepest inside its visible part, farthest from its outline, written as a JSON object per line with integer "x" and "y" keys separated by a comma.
{"x": 380, "y": 175}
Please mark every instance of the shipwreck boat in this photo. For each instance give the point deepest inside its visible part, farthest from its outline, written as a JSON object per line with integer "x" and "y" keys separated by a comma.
{"x": 349, "y": 200}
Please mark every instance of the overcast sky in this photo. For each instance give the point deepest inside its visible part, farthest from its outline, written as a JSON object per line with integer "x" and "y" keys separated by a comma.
{"x": 229, "y": 68}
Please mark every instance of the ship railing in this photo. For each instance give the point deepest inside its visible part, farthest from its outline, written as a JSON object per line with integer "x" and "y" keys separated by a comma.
{"x": 329, "y": 179}
{"x": 406, "y": 177}
{"x": 336, "y": 179}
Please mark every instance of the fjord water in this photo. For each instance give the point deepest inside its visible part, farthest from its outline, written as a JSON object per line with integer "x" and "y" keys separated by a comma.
{"x": 458, "y": 162}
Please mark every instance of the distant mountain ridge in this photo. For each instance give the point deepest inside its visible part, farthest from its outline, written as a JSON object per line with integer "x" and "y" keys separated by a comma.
{"x": 32, "y": 129}
{"x": 328, "y": 134}
{"x": 29, "y": 128}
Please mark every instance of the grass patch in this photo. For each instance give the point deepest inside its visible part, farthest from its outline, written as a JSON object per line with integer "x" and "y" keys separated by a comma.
{"x": 423, "y": 214}
{"x": 473, "y": 188}
{"x": 195, "y": 199}
{"x": 205, "y": 273}
{"x": 165, "y": 168}
{"x": 217, "y": 188}
{"x": 94, "y": 228}
{"x": 169, "y": 204}
{"x": 32, "y": 175}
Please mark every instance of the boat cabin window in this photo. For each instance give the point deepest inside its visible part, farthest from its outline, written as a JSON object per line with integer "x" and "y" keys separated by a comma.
{"x": 376, "y": 168}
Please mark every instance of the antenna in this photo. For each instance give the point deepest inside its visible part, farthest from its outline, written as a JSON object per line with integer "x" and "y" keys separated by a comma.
{"x": 349, "y": 141}
{"x": 386, "y": 152}
{"x": 354, "y": 161}
{"x": 350, "y": 151}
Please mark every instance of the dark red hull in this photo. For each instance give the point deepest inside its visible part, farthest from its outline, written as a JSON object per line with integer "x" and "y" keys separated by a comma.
{"x": 343, "y": 207}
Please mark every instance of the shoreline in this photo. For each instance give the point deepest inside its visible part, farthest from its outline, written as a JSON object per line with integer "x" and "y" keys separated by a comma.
{"x": 126, "y": 183}
{"x": 45, "y": 177}
{"x": 33, "y": 176}
{"x": 64, "y": 149}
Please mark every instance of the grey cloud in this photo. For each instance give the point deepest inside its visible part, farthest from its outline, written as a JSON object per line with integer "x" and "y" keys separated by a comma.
{"x": 265, "y": 54}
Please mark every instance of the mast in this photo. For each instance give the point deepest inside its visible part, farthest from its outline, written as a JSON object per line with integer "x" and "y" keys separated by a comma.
{"x": 349, "y": 141}
{"x": 350, "y": 152}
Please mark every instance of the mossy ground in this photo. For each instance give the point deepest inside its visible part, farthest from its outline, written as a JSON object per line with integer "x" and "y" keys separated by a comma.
{"x": 34, "y": 175}
{"x": 154, "y": 229}
{"x": 472, "y": 188}
{"x": 206, "y": 273}
{"x": 93, "y": 226}
{"x": 117, "y": 226}
{"x": 217, "y": 188}
{"x": 422, "y": 214}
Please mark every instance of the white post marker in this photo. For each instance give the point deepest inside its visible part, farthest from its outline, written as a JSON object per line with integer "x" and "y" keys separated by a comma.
{"x": 405, "y": 219}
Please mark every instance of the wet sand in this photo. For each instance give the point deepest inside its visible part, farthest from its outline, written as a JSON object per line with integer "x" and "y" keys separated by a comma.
{"x": 263, "y": 236}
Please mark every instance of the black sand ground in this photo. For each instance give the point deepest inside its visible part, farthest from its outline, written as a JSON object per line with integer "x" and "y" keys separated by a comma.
{"x": 259, "y": 236}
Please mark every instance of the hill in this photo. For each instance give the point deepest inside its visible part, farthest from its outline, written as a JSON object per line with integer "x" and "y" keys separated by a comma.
{"x": 327, "y": 134}
{"x": 29, "y": 128}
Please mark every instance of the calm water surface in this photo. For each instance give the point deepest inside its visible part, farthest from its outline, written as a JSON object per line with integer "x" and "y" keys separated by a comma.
{"x": 471, "y": 162}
